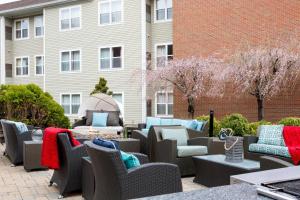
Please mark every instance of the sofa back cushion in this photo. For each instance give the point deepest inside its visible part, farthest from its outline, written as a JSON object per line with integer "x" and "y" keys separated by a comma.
{"x": 271, "y": 135}
{"x": 180, "y": 135}
{"x": 152, "y": 121}
{"x": 166, "y": 122}
{"x": 190, "y": 124}
{"x": 100, "y": 119}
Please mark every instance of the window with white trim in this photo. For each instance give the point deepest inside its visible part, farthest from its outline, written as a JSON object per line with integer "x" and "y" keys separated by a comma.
{"x": 39, "y": 26}
{"x": 70, "y": 61}
{"x": 70, "y": 18}
{"x": 39, "y": 65}
{"x": 164, "y": 103}
{"x": 22, "y": 28}
{"x": 22, "y": 66}
{"x": 164, "y": 10}
{"x": 164, "y": 53}
{"x": 110, "y": 58}
{"x": 70, "y": 103}
{"x": 110, "y": 11}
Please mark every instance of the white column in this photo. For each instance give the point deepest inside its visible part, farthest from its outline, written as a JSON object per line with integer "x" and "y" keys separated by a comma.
{"x": 2, "y": 50}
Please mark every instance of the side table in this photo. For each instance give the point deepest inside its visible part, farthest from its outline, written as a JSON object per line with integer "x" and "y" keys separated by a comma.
{"x": 32, "y": 151}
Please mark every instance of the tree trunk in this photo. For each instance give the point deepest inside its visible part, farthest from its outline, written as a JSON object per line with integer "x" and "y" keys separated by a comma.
{"x": 191, "y": 107}
{"x": 260, "y": 109}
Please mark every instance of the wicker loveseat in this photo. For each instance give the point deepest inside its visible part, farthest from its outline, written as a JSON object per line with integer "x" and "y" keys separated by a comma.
{"x": 170, "y": 151}
{"x": 113, "y": 181}
{"x": 268, "y": 142}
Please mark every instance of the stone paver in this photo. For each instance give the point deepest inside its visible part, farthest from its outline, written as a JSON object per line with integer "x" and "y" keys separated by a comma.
{"x": 17, "y": 184}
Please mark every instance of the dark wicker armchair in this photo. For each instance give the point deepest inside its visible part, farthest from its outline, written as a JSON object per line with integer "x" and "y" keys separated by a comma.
{"x": 166, "y": 150}
{"x": 14, "y": 141}
{"x": 68, "y": 177}
{"x": 114, "y": 181}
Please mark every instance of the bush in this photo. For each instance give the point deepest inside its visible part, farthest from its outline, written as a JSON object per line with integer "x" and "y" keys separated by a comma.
{"x": 252, "y": 127}
{"x": 29, "y": 104}
{"x": 290, "y": 121}
{"x": 237, "y": 122}
{"x": 217, "y": 126}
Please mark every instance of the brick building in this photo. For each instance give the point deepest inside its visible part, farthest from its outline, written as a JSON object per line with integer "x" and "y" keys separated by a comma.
{"x": 204, "y": 27}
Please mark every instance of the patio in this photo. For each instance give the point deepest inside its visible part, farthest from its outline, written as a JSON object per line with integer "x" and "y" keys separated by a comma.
{"x": 17, "y": 184}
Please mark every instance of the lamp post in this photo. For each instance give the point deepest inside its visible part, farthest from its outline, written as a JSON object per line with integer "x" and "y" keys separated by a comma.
{"x": 211, "y": 123}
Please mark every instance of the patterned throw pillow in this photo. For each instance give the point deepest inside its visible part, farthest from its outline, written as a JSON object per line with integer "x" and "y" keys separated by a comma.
{"x": 271, "y": 135}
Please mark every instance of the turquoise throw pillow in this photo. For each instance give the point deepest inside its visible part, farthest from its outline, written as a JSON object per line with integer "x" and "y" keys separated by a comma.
{"x": 190, "y": 124}
{"x": 99, "y": 119}
{"x": 130, "y": 160}
{"x": 180, "y": 135}
{"x": 199, "y": 125}
{"x": 152, "y": 121}
{"x": 166, "y": 122}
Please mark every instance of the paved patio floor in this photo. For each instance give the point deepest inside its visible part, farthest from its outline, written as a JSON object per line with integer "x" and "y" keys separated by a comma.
{"x": 17, "y": 184}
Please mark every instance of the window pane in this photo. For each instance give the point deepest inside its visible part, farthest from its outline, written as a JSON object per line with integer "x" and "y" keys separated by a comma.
{"x": 18, "y": 25}
{"x": 65, "y": 24}
{"x": 170, "y": 109}
{"x": 170, "y": 98}
{"x": 75, "y": 12}
{"x": 160, "y": 14}
{"x": 118, "y": 98}
{"x": 75, "y": 65}
{"x": 75, "y": 22}
{"x": 38, "y": 61}
{"x": 161, "y": 98}
{"x": 19, "y": 71}
{"x": 105, "y": 53}
{"x": 170, "y": 49}
{"x": 116, "y": 17}
{"x": 169, "y": 13}
{"x": 75, "y": 55}
{"x": 161, "y": 109}
{"x": 18, "y": 34}
{"x": 65, "y": 64}
{"x": 161, "y": 51}
{"x": 105, "y": 63}
{"x": 169, "y": 3}
{"x": 104, "y": 8}
{"x": 66, "y": 103}
{"x": 65, "y": 56}
{"x": 105, "y": 58}
{"x": 18, "y": 62}
{"x": 65, "y": 14}
{"x": 116, "y": 63}
{"x": 160, "y": 4}
{"x": 38, "y": 21}
{"x": 39, "y": 70}
{"x": 38, "y": 31}
{"x": 116, "y": 6}
{"x": 116, "y": 51}
{"x": 25, "y": 62}
{"x": 24, "y": 33}
{"x": 104, "y": 18}
{"x": 25, "y": 71}
{"x": 24, "y": 24}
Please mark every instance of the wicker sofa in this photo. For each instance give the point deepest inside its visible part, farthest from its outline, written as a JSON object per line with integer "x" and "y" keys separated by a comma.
{"x": 68, "y": 176}
{"x": 143, "y": 131}
{"x": 258, "y": 146}
{"x": 14, "y": 141}
{"x": 167, "y": 150}
{"x": 113, "y": 181}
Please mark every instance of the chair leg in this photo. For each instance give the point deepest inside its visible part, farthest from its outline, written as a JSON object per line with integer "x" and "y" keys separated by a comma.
{"x": 60, "y": 196}
{"x": 50, "y": 183}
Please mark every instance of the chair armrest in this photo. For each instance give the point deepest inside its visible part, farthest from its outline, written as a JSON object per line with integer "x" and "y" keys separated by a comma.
{"x": 269, "y": 162}
{"x": 26, "y": 136}
{"x": 142, "y": 126}
{"x": 166, "y": 151}
{"x": 202, "y": 141}
{"x": 142, "y": 157}
{"x": 152, "y": 179}
{"x": 249, "y": 140}
{"x": 79, "y": 151}
{"x": 137, "y": 134}
{"x": 81, "y": 122}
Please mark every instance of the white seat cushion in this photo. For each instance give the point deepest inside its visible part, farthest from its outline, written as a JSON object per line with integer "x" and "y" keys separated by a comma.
{"x": 186, "y": 151}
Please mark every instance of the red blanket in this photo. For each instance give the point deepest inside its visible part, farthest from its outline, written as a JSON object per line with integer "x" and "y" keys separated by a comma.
{"x": 291, "y": 135}
{"x": 49, "y": 157}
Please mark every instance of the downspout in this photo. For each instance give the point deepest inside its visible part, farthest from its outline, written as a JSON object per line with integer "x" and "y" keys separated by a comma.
{"x": 44, "y": 50}
{"x": 2, "y": 50}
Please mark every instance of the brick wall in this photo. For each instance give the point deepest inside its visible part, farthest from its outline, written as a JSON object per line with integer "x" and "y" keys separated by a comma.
{"x": 203, "y": 27}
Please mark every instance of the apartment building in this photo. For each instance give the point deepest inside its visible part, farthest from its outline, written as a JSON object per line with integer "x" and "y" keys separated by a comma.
{"x": 64, "y": 46}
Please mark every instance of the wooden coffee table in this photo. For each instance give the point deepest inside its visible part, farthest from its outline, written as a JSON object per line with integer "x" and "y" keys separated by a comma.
{"x": 213, "y": 170}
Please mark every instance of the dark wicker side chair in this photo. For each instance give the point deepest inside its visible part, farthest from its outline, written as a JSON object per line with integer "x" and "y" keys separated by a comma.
{"x": 14, "y": 141}
{"x": 114, "y": 182}
{"x": 68, "y": 177}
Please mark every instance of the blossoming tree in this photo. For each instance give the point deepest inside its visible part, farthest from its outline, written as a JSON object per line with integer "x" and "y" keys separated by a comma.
{"x": 193, "y": 77}
{"x": 264, "y": 72}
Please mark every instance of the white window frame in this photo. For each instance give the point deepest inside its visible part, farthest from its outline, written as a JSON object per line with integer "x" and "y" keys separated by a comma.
{"x": 110, "y": 68}
{"x": 166, "y": 93}
{"x": 36, "y": 63}
{"x": 15, "y": 29}
{"x": 43, "y": 27}
{"x": 121, "y": 93}
{"x": 110, "y": 23}
{"x": 162, "y": 20}
{"x": 21, "y": 57}
{"x": 155, "y": 52}
{"x": 70, "y": 61}
{"x": 70, "y": 28}
{"x": 68, "y": 93}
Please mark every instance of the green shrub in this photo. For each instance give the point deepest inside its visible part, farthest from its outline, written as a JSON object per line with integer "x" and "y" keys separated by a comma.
{"x": 29, "y": 104}
{"x": 217, "y": 126}
{"x": 252, "y": 127}
{"x": 290, "y": 121}
{"x": 237, "y": 122}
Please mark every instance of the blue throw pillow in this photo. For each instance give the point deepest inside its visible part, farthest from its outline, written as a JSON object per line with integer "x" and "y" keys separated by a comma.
{"x": 21, "y": 127}
{"x": 152, "y": 121}
{"x": 190, "y": 124}
{"x": 100, "y": 119}
{"x": 130, "y": 160}
{"x": 112, "y": 144}
{"x": 199, "y": 125}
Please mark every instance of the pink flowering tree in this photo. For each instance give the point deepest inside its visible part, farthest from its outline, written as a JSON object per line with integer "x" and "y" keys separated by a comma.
{"x": 193, "y": 77}
{"x": 264, "y": 72}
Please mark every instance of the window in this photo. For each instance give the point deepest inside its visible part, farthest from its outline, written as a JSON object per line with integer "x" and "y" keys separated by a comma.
{"x": 38, "y": 26}
{"x": 70, "y": 103}
{"x": 110, "y": 11}
{"x": 148, "y": 13}
{"x": 22, "y": 66}
{"x": 110, "y": 58}
{"x": 164, "y": 103}
{"x": 70, "y": 18}
{"x": 70, "y": 61}
{"x": 164, "y": 53}
{"x": 39, "y": 65}
{"x": 22, "y": 29}
{"x": 164, "y": 10}
{"x": 118, "y": 97}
